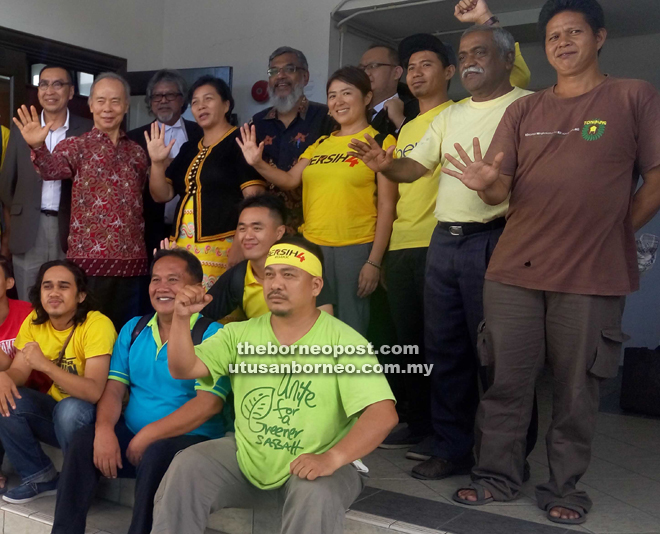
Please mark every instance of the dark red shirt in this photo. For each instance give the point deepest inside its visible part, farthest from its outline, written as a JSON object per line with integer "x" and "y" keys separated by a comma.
{"x": 107, "y": 226}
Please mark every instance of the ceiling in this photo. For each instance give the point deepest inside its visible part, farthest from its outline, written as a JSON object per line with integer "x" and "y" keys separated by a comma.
{"x": 387, "y": 22}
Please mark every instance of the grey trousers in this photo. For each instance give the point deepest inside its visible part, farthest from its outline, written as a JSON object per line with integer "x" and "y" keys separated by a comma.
{"x": 580, "y": 337}
{"x": 341, "y": 271}
{"x": 206, "y": 477}
{"x": 46, "y": 248}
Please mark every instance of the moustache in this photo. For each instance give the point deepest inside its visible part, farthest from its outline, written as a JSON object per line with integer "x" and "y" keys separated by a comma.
{"x": 469, "y": 70}
{"x": 277, "y": 294}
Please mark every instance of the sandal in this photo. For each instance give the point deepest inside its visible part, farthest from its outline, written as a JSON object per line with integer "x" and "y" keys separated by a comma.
{"x": 582, "y": 514}
{"x": 481, "y": 496}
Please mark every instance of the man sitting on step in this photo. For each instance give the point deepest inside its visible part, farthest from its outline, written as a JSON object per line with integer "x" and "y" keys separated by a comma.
{"x": 298, "y": 430}
{"x": 163, "y": 415}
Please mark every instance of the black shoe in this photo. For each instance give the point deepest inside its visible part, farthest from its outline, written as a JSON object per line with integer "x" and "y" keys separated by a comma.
{"x": 422, "y": 451}
{"x": 438, "y": 468}
{"x": 401, "y": 439}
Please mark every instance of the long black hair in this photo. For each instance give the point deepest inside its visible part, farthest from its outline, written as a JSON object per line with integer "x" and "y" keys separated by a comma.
{"x": 80, "y": 278}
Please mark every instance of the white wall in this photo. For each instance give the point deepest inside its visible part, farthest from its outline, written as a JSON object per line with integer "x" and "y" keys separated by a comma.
{"x": 131, "y": 29}
{"x": 242, "y": 34}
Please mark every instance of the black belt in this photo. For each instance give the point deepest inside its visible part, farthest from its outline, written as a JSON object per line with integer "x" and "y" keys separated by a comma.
{"x": 50, "y": 213}
{"x": 455, "y": 228}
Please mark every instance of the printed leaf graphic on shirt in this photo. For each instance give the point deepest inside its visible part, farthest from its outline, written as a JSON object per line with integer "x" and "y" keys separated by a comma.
{"x": 593, "y": 130}
{"x": 256, "y": 405}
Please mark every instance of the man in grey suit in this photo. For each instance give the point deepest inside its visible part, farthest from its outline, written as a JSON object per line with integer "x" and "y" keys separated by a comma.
{"x": 37, "y": 212}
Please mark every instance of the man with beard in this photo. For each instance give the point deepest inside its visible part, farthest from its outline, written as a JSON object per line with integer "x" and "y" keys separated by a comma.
{"x": 166, "y": 98}
{"x": 292, "y": 123}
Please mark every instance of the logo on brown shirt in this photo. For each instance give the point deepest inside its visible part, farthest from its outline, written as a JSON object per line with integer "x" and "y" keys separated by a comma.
{"x": 593, "y": 130}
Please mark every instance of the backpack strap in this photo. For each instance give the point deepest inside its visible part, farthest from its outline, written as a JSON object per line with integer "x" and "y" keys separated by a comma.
{"x": 199, "y": 329}
{"x": 139, "y": 326}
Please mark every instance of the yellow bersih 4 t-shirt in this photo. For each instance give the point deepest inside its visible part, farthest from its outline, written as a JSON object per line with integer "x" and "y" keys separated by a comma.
{"x": 339, "y": 192}
{"x": 94, "y": 337}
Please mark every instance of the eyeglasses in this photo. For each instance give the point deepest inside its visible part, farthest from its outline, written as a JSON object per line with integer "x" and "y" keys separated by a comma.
{"x": 57, "y": 85}
{"x": 169, "y": 97}
{"x": 287, "y": 69}
{"x": 373, "y": 66}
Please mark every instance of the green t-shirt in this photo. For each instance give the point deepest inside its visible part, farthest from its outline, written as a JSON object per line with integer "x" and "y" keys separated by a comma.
{"x": 281, "y": 416}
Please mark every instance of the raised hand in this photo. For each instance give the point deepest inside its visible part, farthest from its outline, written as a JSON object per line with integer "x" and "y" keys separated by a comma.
{"x": 29, "y": 125}
{"x": 190, "y": 300}
{"x": 158, "y": 152}
{"x": 475, "y": 11}
{"x": 252, "y": 152}
{"x": 476, "y": 175}
{"x": 372, "y": 154}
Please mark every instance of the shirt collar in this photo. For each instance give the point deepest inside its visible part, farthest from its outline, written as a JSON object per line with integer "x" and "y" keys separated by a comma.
{"x": 153, "y": 324}
{"x": 177, "y": 124}
{"x": 378, "y": 107}
{"x": 302, "y": 110}
{"x": 66, "y": 122}
{"x": 250, "y": 280}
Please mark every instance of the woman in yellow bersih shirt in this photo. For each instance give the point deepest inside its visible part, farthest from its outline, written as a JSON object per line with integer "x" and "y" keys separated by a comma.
{"x": 348, "y": 209}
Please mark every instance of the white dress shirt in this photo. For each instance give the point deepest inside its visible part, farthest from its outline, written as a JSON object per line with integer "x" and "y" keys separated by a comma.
{"x": 177, "y": 132}
{"x": 378, "y": 107}
{"x": 51, "y": 189}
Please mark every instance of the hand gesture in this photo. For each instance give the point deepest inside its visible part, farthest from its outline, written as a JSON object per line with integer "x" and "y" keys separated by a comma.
{"x": 252, "y": 152}
{"x": 311, "y": 466}
{"x": 29, "y": 124}
{"x": 368, "y": 280}
{"x": 475, "y": 11}
{"x": 158, "y": 152}
{"x": 372, "y": 154}
{"x": 190, "y": 300}
{"x": 107, "y": 454}
{"x": 165, "y": 244}
{"x": 137, "y": 446}
{"x": 476, "y": 175}
{"x": 8, "y": 394}
{"x": 34, "y": 357}
{"x": 394, "y": 108}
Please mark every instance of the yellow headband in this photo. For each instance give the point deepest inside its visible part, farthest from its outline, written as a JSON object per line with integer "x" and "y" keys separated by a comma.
{"x": 289, "y": 254}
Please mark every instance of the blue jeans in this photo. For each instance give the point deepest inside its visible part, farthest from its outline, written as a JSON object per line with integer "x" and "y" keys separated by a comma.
{"x": 39, "y": 417}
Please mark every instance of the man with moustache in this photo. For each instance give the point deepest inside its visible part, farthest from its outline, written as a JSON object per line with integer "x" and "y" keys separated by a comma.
{"x": 569, "y": 158}
{"x": 297, "y": 434}
{"x": 291, "y": 124}
{"x": 166, "y": 98}
{"x": 37, "y": 211}
{"x": 108, "y": 171}
{"x": 463, "y": 239}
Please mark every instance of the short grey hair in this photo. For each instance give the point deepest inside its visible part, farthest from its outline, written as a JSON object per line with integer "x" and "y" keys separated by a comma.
{"x": 505, "y": 42}
{"x": 167, "y": 75}
{"x": 288, "y": 50}
{"x": 110, "y": 76}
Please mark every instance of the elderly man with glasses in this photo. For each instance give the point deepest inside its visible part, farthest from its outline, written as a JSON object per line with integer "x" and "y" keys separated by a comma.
{"x": 291, "y": 123}
{"x": 37, "y": 212}
{"x": 167, "y": 99}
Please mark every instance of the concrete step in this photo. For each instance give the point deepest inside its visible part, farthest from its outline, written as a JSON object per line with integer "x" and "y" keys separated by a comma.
{"x": 111, "y": 513}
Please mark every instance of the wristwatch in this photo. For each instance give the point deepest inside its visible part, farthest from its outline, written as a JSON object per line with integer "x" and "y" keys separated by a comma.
{"x": 492, "y": 21}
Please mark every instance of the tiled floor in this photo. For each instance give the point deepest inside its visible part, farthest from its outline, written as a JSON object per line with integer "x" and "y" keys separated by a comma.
{"x": 623, "y": 479}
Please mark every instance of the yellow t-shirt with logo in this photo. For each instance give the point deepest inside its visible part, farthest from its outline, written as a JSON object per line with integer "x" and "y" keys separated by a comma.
{"x": 94, "y": 337}
{"x": 339, "y": 192}
{"x": 415, "y": 222}
{"x": 254, "y": 302}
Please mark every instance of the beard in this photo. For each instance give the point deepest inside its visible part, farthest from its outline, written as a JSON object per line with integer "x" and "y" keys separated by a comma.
{"x": 284, "y": 104}
{"x": 165, "y": 116}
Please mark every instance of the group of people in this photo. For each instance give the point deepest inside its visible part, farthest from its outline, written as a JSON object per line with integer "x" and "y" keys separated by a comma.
{"x": 502, "y": 227}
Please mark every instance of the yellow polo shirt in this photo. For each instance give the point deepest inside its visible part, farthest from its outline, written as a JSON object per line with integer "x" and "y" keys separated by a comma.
{"x": 254, "y": 302}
